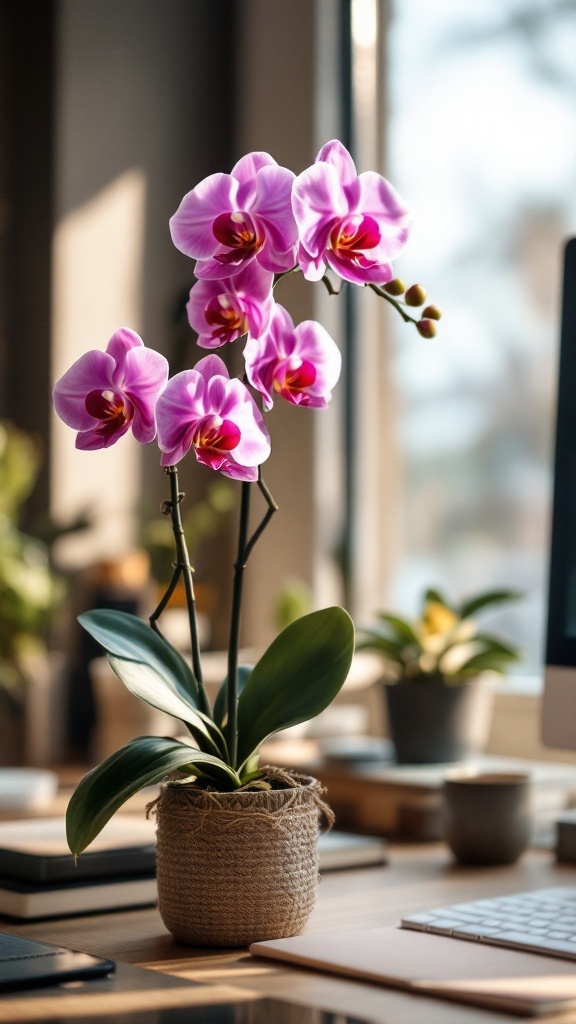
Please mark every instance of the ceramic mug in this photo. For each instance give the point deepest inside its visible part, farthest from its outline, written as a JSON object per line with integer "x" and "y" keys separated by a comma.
{"x": 487, "y": 816}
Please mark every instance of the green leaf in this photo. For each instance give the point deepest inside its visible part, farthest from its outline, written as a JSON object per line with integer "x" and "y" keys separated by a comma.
{"x": 486, "y": 660}
{"x": 469, "y": 608}
{"x": 372, "y": 640}
{"x": 494, "y": 643}
{"x": 151, "y": 688}
{"x": 126, "y": 636}
{"x": 401, "y": 629}
{"x": 296, "y": 678}
{"x": 431, "y": 594}
{"x": 141, "y": 762}
{"x": 220, "y": 704}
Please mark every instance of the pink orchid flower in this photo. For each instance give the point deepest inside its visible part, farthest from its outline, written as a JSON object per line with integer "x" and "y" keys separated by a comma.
{"x": 354, "y": 223}
{"x": 230, "y": 219}
{"x": 204, "y": 409}
{"x": 301, "y": 364}
{"x": 103, "y": 394}
{"x": 221, "y": 311}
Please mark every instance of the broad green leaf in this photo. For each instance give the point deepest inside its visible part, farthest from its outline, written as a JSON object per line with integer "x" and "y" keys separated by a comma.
{"x": 431, "y": 594}
{"x": 483, "y": 600}
{"x": 296, "y": 678}
{"x": 150, "y": 687}
{"x": 220, "y": 704}
{"x": 496, "y": 662}
{"x": 141, "y": 762}
{"x": 402, "y": 630}
{"x": 493, "y": 643}
{"x": 371, "y": 640}
{"x": 127, "y": 636}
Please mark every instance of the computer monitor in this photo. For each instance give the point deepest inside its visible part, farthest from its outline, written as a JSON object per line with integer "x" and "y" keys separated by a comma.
{"x": 558, "y": 718}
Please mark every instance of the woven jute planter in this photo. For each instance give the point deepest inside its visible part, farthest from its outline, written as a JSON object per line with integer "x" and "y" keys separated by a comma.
{"x": 235, "y": 868}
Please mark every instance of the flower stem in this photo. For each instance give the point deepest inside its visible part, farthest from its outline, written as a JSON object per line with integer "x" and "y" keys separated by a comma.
{"x": 183, "y": 567}
{"x": 393, "y": 302}
{"x": 245, "y": 546}
{"x": 239, "y": 566}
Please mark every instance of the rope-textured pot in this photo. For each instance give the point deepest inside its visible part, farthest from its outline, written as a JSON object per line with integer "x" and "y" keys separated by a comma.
{"x": 235, "y": 868}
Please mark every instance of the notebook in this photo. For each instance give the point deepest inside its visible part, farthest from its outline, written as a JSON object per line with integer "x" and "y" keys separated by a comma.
{"x": 420, "y": 963}
{"x": 25, "y": 964}
{"x": 36, "y": 850}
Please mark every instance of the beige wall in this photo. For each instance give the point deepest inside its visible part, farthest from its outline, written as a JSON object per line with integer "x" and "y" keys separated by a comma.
{"x": 287, "y": 106}
{"x": 132, "y": 136}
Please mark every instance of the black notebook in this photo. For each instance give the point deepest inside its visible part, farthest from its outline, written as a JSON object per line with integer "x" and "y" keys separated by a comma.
{"x": 36, "y": 851}
{"x": 26, "y": 964}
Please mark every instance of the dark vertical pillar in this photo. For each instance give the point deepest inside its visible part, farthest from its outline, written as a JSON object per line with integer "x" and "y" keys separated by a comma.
{"x": 350, "y": 361}
{"x": 27, "y": 59}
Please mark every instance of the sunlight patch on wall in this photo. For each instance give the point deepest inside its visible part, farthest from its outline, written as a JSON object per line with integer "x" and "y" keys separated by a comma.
{"x": 98, "y": 259}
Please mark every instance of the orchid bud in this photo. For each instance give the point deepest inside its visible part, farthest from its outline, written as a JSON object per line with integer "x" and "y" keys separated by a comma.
{"x": 415, "y": 296}
{"x": 427, "y": 328}
{"x": 432, "y": 312}
{"x": 395, "y": 286}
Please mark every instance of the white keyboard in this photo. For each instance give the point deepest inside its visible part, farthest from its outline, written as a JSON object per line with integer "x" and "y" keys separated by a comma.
{"x": 540, "y": 921}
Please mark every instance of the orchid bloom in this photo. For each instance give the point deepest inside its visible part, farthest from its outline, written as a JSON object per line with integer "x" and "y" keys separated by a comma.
{"x": 104, "y": 394}
{"x": 203, "y": 408}
{"x": 301, "y": 364}
{"x": 221, "y": 311}
{"x": 354, "y": 223}
{"x": 228, "y": 220}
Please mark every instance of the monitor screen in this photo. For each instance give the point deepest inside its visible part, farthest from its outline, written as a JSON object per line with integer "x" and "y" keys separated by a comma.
{"x": 559, "y": 702}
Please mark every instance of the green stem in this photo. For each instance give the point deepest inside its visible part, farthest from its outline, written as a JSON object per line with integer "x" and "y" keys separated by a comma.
{"x": 245, "y": 547}
{"x": 329, "y": 286}
{"x": 284, "y": 273}
{"x": 183, "y": 567}
{"x": 239, "y": 566}
{"x": 393, "y": 302}
{"x": 153, "y": 618}
{"x": 272, "y": 508}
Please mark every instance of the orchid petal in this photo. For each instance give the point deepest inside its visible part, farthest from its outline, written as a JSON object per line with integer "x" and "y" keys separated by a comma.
{"x": 379, "y": 199}
{"x": 313, "y": 267}
{"x": 277, "y": 262}
{"x": 245, "y": 172}
{"x": 318, "y": 202}
{"x": 146, "y": 374}
{"x": 222, "y": 311}
{"x": 379, "y": 273}
{"x": 206, "y": 395}
{"x": 92, "y": 371}
{"x": 336, "y": 154}
{"x": 302, "y": 364}
{"x": 273, "y": 208}
{"x": 122, "y": 341}
{"x": 92, "y": 440}
{"x": 191, "y": 225}
{"x": 355, "y": 224}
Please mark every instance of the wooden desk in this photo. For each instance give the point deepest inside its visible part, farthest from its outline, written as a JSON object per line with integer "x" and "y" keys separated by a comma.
{"x": 417, "y": 877}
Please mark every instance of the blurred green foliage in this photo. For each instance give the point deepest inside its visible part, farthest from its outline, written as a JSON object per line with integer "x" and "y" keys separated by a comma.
{"x": 205, "y": 519}
{"x": 30, "y": 591}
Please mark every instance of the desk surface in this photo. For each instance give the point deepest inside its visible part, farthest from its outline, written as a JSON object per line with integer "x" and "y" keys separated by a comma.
{"x": 416, "y": 878}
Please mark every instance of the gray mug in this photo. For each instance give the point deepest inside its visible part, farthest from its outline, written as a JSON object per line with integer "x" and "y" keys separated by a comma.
{"x": 487, "y": 816}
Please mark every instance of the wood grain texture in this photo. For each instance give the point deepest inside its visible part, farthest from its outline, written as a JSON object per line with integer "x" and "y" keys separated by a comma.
{"x": 417, "y": 877}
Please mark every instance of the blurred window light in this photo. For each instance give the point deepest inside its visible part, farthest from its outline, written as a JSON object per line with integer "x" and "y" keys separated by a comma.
{"x": 482, "y": 146}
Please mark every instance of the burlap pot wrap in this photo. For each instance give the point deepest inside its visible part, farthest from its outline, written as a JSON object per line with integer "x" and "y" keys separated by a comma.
{"x": 235, "y": 868}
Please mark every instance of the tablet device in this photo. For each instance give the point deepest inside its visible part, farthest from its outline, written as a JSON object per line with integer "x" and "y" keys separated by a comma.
{"x": 26, "y": 964}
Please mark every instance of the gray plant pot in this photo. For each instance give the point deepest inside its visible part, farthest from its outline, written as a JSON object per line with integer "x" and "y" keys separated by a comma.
{"x": 431, "y": 722}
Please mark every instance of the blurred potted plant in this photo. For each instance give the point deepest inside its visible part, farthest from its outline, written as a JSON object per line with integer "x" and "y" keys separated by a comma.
{"x": 30, "y": 591}
{"x": 433, "y": 674}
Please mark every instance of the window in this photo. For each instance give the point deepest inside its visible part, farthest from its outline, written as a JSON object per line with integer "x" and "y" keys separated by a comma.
{"x": 482, "y": 146}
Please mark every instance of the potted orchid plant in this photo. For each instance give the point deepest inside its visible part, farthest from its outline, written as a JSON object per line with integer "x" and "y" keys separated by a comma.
{"x": 246, "y": 230}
